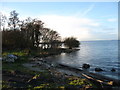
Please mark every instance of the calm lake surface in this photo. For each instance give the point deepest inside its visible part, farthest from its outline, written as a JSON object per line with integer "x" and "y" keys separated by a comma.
{"x": 103, "y": 54}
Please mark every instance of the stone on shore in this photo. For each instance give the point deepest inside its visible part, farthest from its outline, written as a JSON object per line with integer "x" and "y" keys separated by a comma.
{"x": 113, "y": 70}
{"x": 98, "y": 69}
{"x": 10, "y": 58}
{"x": 86, "y": 66}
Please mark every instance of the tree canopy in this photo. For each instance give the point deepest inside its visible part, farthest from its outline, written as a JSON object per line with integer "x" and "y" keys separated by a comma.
{"x": 13, "y": 20}
{"x": 71, "y": 42}
{"x": 31, "y": 33}
{"x": 28, "y": 33}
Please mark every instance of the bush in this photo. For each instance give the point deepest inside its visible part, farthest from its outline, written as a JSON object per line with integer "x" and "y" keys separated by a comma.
{"x": 71, "y": 42}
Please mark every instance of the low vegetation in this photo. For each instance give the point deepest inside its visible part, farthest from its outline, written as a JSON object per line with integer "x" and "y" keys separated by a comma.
{"x": 71, "y": 42}
{"x": 15, "y": 75}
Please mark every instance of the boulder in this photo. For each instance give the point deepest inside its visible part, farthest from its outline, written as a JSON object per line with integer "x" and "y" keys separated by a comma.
{"x": 86, "y": 66}
{"x": 98, "y": 69}
{"x": 113, "y": 70}
{"x": 10, "y": 58}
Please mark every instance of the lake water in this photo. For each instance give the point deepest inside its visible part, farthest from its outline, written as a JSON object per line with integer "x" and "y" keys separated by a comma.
{"x": 103, "y": 54}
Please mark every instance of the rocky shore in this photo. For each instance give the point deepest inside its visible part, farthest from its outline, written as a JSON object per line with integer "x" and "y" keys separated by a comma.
{"x": 39, "y": 72}
{"x": 99, "y": 80}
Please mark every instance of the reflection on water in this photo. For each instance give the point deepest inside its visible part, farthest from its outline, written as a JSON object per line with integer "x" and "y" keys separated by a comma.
{"x": 103, "y": 54}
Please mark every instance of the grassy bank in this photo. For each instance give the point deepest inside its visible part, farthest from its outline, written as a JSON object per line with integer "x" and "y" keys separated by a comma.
{"x": 15, "y": 75}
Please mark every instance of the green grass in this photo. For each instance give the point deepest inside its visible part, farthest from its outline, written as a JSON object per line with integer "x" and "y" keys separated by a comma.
{"x": 16, "y": 52}
{"x": 17, "y": 65}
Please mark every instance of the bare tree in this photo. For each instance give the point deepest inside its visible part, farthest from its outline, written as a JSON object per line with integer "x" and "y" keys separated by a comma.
{"x": 3, "y": 19}
{"x": 13, "y": 20}
{"x": 32, "y": 30}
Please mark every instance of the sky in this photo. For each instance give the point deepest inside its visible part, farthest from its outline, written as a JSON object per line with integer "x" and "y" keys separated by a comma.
{"x": 84, "y": 20}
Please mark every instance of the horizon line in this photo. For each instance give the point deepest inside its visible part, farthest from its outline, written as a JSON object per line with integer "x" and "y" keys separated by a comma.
{"x": 101, "y": 40}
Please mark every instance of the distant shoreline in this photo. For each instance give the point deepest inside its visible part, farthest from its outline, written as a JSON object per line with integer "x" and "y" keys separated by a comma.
{"x": 98, "y": 40}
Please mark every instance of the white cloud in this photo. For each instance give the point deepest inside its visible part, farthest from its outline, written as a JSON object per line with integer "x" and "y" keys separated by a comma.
{"x": 88, "y": 10}
{"x": 70, "y": 25}
{"x": 77, "y": 26}
{"x": 112, "y": 20}
{"x": 85, "y": 12}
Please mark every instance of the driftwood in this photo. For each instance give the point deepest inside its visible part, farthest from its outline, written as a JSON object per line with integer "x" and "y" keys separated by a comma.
{"x": 99, "y": 80}
{"x": 113, "y": 81}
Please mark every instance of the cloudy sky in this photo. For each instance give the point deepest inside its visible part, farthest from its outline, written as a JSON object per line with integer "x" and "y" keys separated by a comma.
{"x": 83, "y": 20}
